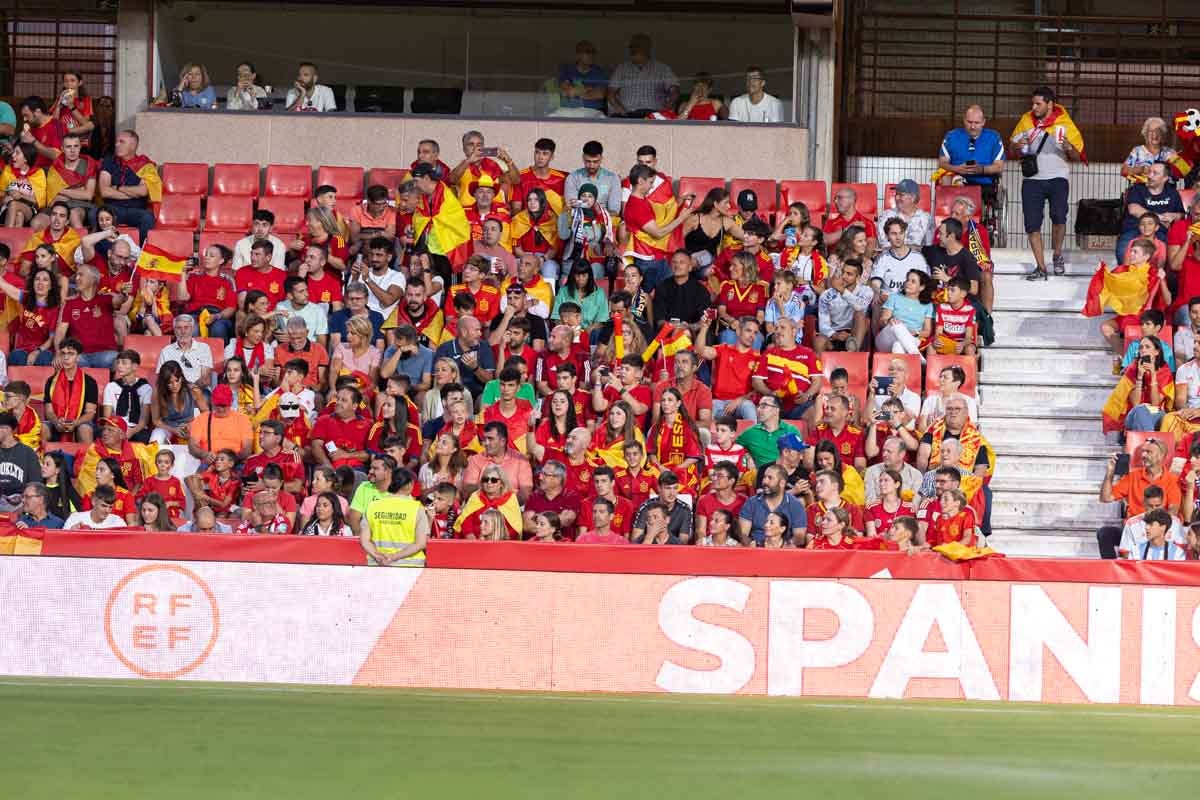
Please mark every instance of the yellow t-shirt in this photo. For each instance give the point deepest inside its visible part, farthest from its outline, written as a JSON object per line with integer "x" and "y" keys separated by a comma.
{"x": 392, "y": 521}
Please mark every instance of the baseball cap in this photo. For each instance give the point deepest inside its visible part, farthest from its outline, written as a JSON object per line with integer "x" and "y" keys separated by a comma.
{"x": 289, "y": 405}
{"x": 515, "y": 288}
{"x": 423, "y": 170}
{"x": 747, "y": 200}
{"x": 222, "y": 395}
{"x": 790, "y": 442}
{"x": 115, "y": 422}
{"x": 908, "y": 186}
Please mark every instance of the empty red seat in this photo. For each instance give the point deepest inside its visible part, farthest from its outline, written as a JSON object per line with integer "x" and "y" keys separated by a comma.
{"x": 937, "y": 363}
{"x": 218, "y": 351}
{"x": 179, "y": 243}
{"x": 924, "y": 202}
{"x": 235, "y": 179}
{"x": 866, "y": 200}
{"x": 946, "y": 195}
{"x": 178, "y": 212}
{"x": 856, "y": 367}
{"x": 148, "y": 347}
{"x": 288, "y": 180}
{"x": 36, "y": 377}
{"x": 16, "y": 238}
{"x": 386, "y": 176}
{"x": 699, "y": 187}
{"x": 881, "y": 361}
{"x": 288, "y": 211}
{"x": 811, "y": 193}
{"x": 765, "y": 191}
{"x": 229, "y": 213}
{"x": 347, "y": 180}
{"x": 227, "y": 238}
{"x": 182, "y": 178}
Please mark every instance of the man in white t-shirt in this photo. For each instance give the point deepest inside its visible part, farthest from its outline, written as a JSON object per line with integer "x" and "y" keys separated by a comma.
{"x": 756, "y": 105}
{"x": 384, "y": 284}
{"x": 100, "y": 516}
{"x": 194, "y": 358}
{"x": 1188, "y": 374}
{"x": 1187, "y": 335}
{"x": 898, "y": 388}
{"x": 308, "y": 95}
{"x": 260, "y": 228}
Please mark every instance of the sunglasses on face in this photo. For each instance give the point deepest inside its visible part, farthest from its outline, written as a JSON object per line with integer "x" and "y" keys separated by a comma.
{"x": 491, "y": 479}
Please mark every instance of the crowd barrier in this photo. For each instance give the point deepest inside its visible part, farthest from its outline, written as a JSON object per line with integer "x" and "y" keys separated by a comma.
{"x": 521, "y": 616}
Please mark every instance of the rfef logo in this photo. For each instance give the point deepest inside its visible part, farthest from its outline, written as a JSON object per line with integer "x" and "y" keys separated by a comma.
{"x": 162, "y": 621}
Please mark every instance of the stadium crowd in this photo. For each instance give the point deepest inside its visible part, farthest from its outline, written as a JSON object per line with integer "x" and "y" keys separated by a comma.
{"x": 493, "y": 352}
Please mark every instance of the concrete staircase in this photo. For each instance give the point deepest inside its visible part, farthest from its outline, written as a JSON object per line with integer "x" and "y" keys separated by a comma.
{"x": 1043, "y": 384}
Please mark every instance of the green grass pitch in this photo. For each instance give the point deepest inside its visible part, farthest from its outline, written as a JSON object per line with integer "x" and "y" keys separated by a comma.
{"x": 183, "y": 741}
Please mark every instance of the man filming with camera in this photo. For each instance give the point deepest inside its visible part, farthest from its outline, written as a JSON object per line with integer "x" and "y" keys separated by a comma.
{"x": 1129, "y": 485}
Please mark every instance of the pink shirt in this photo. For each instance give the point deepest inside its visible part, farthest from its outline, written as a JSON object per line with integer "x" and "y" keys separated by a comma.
{"x": 350, "y": 363}
{"x": 591, "y": 537}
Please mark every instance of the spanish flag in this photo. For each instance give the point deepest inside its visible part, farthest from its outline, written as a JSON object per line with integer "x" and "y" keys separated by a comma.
{"x": 467, "y": 522}
{"x": 535, "y": 237}
{"x": 957, "y": 551}
{"x": 64, "y": 246}
{"x": 16, "y": 541}
{"x": 441, "y": 226}
{"x": 10, "y": 310}
{"x": 58, "y": 177}
{"x": 1126, "y": 290}
{"x": 662, "y": 200}
{"x": 1118, "y": 405}
{"x": 145, "y": 169}
{"x": 1187, "y": 135}
{"x": 670, "y": 339}
{"x": 156, "y": 262}
{"x": 1057, "y": 118}
{"x": 619, "y": 338}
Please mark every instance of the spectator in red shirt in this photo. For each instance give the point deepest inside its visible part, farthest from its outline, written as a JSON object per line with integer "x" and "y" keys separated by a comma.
{"x": 261, "y": 275}
{"x": 624, "y": 383}
{"x": 837, "y": 429}
{"x": 272, "y": 441}
{"x": 843, "y": 215}
{"x": 41, "y": 130}
{"x": 208, "y": 289}
{"x": 1183, "y": 256}
{"x": 723, "y": 496}
{"x": 340, "y": 439}
{"x": 601, "y": 532}
{"x": 552, "y": 496}
{"x": 697, "y": 397}
{"x": 735, "y": 366}
{"x": 91, "y": 318}
{"x": 648, "y": 240}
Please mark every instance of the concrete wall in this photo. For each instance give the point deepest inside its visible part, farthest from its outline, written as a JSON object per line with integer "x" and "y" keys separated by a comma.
{"x": 374, "y": 140}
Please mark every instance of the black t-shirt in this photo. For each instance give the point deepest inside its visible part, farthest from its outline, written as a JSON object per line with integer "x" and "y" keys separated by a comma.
{"x": 686, "y": 302}
{"x": 801, "y": 473}
{"x": 1164, "y": 202}
{"x": 537, "y": 327}
{"x": 91, "y": 394}
{"x": 961, "y": 263}
{"x": 19, "y": 465}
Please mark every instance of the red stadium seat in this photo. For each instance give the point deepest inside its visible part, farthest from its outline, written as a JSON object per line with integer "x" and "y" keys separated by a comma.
{"x": 284, "y": 180}
{"x": 867, "y": 199}
{"x": 937, "y": 363}
{"x": 36, "y": 377}
{"x": 881, "y": 361}
{"x": 227, "y": 238}
{"x": 176, "y": 242}
{"x": 765, "y": 190}
{"x": 73, "y": 449}
{"x": 229, "y": 214}
{"x": 235, "y": 179}
{"x": 925, "y": 202}
{"x": 1133, "y": 332}
{"x": 16, "y": 238}
{"x": 347, "y": 180}
{"x": 811, "y": 193}
{"x": 178, "y": 178}
{"x": 1187, "y": 196}
{"x": 288, "y": 211}
{"x": 946, "y": 195}
{"x": 218, "y": 351}
{"x": 100, "y": 375}
{"x": 1135, "y": 439}
{"x": 856, "y": 367}
{"x": 178, "y": 212}
{"x": 346, "y": 205}
{"x": 699, "y": 187}
{"x": 148, "y": 347}
{"x": 386, "y": 176}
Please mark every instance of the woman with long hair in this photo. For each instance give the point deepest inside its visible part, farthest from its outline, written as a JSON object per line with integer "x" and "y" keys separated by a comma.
{"x": 327, "y": 519}
{"x": 587, "y": 231}
{"x": 61, "y": 498}
{"x": 854, "y": 244}
{"x": 1148, "y": 388}
{"x": 581, "y": 289}
{"x": 324, "y": 480}
{"x": 836, "y": 532}
{"x": 174, "y": 404}
{"x": 323, "y": 229}
{"x": 720, "y": 529}
{"x": 73, "y": 108}
{"x": 547, "y": 527}
{"x": 906, "y": 320}
{"x": 245, "y": 93}
{"x": 535, "y": 230}
{"x": 882, "y": 513}
{"x": 22, "y": 186}
{"x": 492, "y": 526}
{"x": 253, "y": 345}
{"x": 446, "y": 463}
{"x": 33, "y": 337}
{"x": 619, "y": 426}
{"x": 674, "y": 441}
{"x": 94, "y": 247}
{"x": 108, "y": 473}
{"x": 549, "y": 441}
{"x": 704, "y": 231}
{"x": 242, "y": 384}
{"x": 445, "y": 371}
{"x": 743, "y": 295}
{"x": 152, "y": 514}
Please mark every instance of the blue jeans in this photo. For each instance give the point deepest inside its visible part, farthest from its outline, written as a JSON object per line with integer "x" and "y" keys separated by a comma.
{"x": 653, "y": 272}
{"x": 1141, "y": 418}
{"x": 41, "y": 358}
{"x": 140, "y": 218}
{"x": 743, "y": 410}
{"x": 100, "y": 360}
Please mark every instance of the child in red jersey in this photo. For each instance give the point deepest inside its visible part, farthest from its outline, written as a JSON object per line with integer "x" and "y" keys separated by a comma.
{"x": 955, "y": 329}
{"x": 217, "y": 487}
{"x": 955, "y": 522}
{"x": 166, "y": 485}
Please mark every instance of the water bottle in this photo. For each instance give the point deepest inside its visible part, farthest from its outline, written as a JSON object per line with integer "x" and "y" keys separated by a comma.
{"x": 789, "y": 236}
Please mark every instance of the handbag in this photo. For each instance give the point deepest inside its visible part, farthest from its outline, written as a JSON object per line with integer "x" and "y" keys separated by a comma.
{"x": 1029, "y": 167}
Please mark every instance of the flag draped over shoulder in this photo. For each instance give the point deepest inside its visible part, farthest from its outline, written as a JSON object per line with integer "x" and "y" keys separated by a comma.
{"x": 156, "y": 261}
{"x": 146, "y": 169}
{"x": 441, "y": 225}
{"x": 1057, "y": 118}
{"x": 58, "y": 177}
{"x": 468, "y": 519}
{"x": 1126, "y": 290}
{"x": 1118, "y": 405}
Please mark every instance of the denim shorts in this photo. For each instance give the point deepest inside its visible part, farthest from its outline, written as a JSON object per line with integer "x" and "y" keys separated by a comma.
{"x": 1035, "y": 194}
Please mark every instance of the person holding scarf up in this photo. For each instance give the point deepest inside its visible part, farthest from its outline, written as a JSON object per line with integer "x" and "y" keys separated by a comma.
{"x": 586, "y": 230}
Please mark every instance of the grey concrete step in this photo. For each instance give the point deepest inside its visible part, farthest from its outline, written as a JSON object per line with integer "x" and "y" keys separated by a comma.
{"x": 1041, "y": 471}
{"x": 1040, "y": 378}
{"x": 1005, "y": 480}
{"x": 1019, "y": 261}
{"x": 1052, "y": 511}
{"x": 1035, "y": 543}
{"x": 1044, "y": 400}
{"x": 1012, "y": 291}
{"x": 1023, "y": 433}
{"x": 1062, "y": 364}
{"x": 1042, "y": 331}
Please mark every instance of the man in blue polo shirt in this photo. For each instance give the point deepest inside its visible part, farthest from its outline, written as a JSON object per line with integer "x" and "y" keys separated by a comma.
{"x": 1156, "y": 196}
{"x": 972, "y": 154}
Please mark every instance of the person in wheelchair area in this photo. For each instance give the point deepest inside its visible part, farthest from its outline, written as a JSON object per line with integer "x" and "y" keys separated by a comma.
{"x": 973, "y": 155}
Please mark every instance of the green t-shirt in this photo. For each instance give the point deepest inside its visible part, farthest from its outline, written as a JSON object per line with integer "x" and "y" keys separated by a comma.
{"x": 761, "y": 443}
{"x": 491, "y": 393}
{"x": 364, "y": 495}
